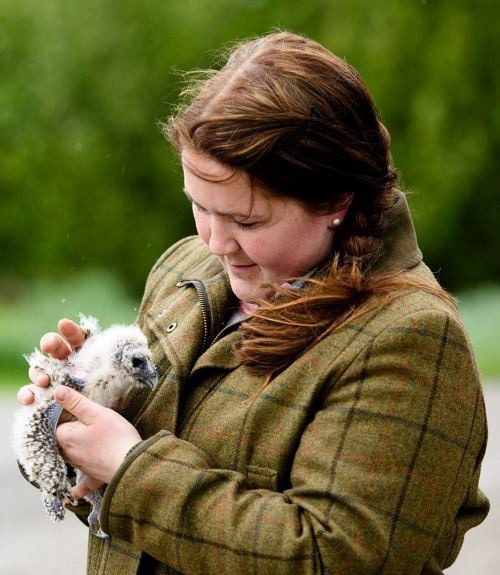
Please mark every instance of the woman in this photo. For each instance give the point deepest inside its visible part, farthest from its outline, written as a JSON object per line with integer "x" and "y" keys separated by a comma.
{"x": 319, "y": 407}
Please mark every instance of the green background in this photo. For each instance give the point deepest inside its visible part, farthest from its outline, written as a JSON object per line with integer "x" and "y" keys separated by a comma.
{"x": 90, "y": 190}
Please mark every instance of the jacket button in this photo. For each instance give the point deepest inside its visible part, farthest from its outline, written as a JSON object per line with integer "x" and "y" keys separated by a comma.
{"x": 171, "y": 327}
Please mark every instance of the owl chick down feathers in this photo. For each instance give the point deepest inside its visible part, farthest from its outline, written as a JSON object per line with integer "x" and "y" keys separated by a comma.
{"x": 109, "y": 364}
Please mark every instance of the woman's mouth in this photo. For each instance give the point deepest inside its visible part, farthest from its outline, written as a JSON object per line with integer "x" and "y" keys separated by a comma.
{"x": 238, "y": 269}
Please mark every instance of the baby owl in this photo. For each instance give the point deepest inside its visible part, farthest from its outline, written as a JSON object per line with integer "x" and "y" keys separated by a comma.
{"x": 109, "y": 364}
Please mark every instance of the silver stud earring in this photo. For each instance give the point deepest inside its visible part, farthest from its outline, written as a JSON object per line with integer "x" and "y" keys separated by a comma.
{"x": 336, "y": 222}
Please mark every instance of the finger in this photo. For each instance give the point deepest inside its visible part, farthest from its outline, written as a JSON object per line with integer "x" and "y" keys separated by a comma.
{"x": 25, "y": 395}
{"x": 77, "y": 404}
{"x": 54, "y": 344}
{"x": 72, "y": 332}
{"x": 85, "y": 486}
{"x": 38, "y": 377}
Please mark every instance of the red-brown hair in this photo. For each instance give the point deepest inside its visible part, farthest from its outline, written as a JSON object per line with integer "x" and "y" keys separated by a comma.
{"x": 301, "y": 123}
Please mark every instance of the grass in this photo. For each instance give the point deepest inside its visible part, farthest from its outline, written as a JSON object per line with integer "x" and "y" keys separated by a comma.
{"x": 99, "y": 293}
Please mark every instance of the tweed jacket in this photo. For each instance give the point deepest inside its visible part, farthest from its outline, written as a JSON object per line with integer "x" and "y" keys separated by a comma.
{"x": 363, "y": 456}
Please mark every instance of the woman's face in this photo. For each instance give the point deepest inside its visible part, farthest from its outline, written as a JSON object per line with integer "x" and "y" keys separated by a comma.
{"x": 260, "y": 239}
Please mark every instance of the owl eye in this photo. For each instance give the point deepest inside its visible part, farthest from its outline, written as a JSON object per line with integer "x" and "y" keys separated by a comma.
{"x": 138, "y": 362}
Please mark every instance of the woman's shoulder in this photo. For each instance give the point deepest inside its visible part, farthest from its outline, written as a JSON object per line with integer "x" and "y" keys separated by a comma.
{"x": 414, "y": 342}
{"x": 417, "y": 321}
{"x": 417, "y": 317}
{"x": 423, "y": 298}
{"x": 183, "y": 255}
{"x": 189, "y": 258}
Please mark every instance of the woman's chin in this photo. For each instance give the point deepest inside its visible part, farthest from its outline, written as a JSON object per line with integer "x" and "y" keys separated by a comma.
{"x": 247, "y": 290}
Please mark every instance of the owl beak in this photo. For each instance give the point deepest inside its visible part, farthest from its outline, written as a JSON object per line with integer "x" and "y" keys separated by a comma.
{"x": 149, "y": 377}
{"x": 151, "y": 381}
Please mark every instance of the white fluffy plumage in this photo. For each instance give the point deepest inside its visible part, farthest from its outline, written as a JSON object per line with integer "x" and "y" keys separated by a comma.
{"x": 108, "y": 365}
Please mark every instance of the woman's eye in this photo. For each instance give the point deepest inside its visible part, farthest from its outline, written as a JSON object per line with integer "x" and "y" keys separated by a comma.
{"x": 245, "y": 225}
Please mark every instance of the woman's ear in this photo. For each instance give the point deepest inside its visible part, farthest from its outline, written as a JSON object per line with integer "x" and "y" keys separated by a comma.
{"x": 338, "y": 216}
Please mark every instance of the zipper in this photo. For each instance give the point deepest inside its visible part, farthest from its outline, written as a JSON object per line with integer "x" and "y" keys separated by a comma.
{"x": 205, "y": 308}
{"x": 228, "y": 328}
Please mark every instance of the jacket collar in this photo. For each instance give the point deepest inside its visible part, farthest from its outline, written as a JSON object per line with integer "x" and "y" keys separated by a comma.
{"x": 400, "y": 250}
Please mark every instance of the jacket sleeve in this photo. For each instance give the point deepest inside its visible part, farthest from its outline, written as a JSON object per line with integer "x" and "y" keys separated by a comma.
{"x": 378, "y": 481}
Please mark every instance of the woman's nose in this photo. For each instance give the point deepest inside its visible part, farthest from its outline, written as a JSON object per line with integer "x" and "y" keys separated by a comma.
{"x": 221, "y": 241}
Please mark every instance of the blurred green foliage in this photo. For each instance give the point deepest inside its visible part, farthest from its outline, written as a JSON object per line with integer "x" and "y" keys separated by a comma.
{"x": 87, "y": 180}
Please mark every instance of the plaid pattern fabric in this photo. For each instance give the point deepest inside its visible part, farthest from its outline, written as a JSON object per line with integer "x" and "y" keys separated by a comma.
{"x": 362, "y": 457}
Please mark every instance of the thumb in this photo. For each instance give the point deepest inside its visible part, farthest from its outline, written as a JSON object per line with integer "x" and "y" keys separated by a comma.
{"x": 77, "y": 404}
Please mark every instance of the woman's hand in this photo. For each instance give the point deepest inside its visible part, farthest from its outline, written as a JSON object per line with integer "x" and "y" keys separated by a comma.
{"x": 97, "y": 443}
{"x": 71, "y": 337}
